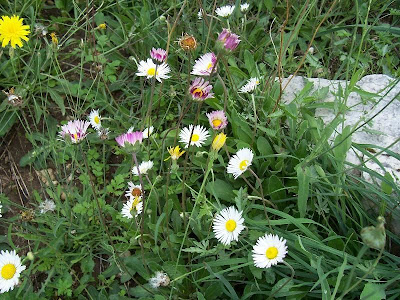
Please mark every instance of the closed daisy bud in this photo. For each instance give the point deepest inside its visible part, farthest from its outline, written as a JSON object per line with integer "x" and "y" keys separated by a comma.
{"x": 188, "y": 42}
{"x": 229, "y": 40}
{"x": 219, "y": 141}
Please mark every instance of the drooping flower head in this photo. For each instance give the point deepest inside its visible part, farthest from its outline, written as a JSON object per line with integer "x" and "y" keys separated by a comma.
{"x": 227, "y": 225}
{"x": 193, "y": 135}
{"x": 200, "y": 89}
{"x": 133, "y": 207}
{"x": 149, "y": 69}
{"x": 239, "y": 162}
{"x": 244, "y": 7}
{"x": 229, "y": 39}
{"x": 10, "y": 270}
{"x": 269, "y": 250}
{"x": 75, "y": 130}
{"x": 147, "y": 132}
{"x": 95, "y": 119}
{"x": 217, "y": 119}
{"x": 158, "y": 54}
{"x": 219, "y": 141}
{"x": 175, "y": 153}
{"x": 205, "y": 65}
{"x": 187, "y": 42}
{"x": 144, "y": 168}
{"x": 133, "y": 190}
{"x": 250, "y": 86}
{"x": 13, "y": 31}
{"x": 225, "y": 11}
{"x": 129, "y": 139}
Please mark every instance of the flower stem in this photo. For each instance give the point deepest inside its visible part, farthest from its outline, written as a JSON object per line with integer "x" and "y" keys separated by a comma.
{"x": 287, "y": 281}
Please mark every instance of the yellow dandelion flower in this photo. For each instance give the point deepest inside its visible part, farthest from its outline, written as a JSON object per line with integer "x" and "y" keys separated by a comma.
{"x": 54, "y": 38}
{"x": 13, "y": 31}
{"x": 175, "y": 152}
{"x": 102, "y": 26}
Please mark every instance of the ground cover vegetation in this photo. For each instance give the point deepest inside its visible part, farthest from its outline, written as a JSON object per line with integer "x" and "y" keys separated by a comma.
{"x": 146, "y": 152}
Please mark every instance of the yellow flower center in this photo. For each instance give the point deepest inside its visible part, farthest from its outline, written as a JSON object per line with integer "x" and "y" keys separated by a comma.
{"x": 198, "y": 91}
{"x": 97, "y": 119}
{"x": 209, "y": 66}
{"x": 243, "y": 165}
{"x": 75, "y": 136}
{"x": 271, "y": 252}
{"x": 216, "y": 122}
{"x": 230, "y": 225}
{"x": 195, "y": 137}
{"x": 151, "y": 72}
{"x": 8, "y": 271}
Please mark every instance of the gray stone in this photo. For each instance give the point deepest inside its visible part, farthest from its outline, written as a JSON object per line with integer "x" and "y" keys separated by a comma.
{"x": 383, "y": 130}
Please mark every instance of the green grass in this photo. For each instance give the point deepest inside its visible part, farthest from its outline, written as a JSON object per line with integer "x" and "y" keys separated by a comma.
{"x": 302, "y": 191}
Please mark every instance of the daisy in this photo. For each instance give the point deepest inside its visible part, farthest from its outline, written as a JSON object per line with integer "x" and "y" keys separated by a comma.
{"x": 250, "y": 86}
{"x": 10, "y": 270}
{"x": 196, "y": 135}
{"x": 12, "y": 31}
{"x": 227, "y": 225}
{"x": 95, "y": 119}
{"x": 269, "y": 250}
{"x": 144, "y": 167}
{"x": 133, "y": 191}
{"x": 228, "y": 39}
{"x": 239, "y": 163}
{"x": 225, "y": 11}
{"x": 75, "y": 130}
{"x": 47, "y": 205}
{"x": 158, "y": 54}
{"x": 205, "y": 64}
{"x": 148, "y": 69}
{"x": 219, "y": 141}
{"x": 200, "y": 89}
{"x": 133, "y": 206}
{"x": 200, "y": 14}
{"x": 175, "y": 153}
{"x": 129, "y": 139}
{"x": 244, "y": 7}
{"x": 217, "y": 119}
{"x": 147, "y": 132}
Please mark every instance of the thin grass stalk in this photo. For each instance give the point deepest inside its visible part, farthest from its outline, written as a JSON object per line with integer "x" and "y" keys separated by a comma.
{"x": 286, "y": 282}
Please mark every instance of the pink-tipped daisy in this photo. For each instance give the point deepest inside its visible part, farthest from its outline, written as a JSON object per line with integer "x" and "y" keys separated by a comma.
{"x": 129, "y": 139}
{"x": 200, "y": 89}
{"x": 75, "y": 130}
{"x": 205, "y": 65}
{"x": 217, "y": 119}
{"x": 158, "y": 54}
{"x": 229, "y": 39}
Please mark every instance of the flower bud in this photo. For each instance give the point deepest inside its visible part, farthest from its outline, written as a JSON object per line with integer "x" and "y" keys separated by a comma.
{"x": 219, "y": 141}
{"x": 30, "y": 256}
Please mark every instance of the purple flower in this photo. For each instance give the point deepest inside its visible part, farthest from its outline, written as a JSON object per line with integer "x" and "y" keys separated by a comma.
{"x": 217, "y": 119}
{"x": 158, "y": 54}
{"x": 129, "y": 139}
{"x": 200, "y": 89}
{"x": 75, "y": 130}
{"x": 229, "y": 39}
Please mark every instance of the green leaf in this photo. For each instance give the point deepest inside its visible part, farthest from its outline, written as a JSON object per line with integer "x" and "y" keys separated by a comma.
{"x": 304, "y": 179}
{"x": 372, "y": 291}
{"x": 58, "y": 100}
{"x": 250, "y": 64}
{"x": 7, "y": 120}
{"x": 264, "y": 147}
{"x": 387, "y": 188}
{"x": 342, "y": 144}
{"x": 220, "y": 189}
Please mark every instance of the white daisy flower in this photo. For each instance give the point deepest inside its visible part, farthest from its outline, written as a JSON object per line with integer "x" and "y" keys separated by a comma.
{"x": 227, "y": 225}
{"x": 133, "y": 191}
{"x": 150, "y": 69}
{"x": 205, "y": 64}
{"x": 95, "y": 119}
{"x": 147, "y": 132}
{"x": 133, "y": 207}
{"x": 198, "y": 138}
{"x": 269, "y": 250}
{"x": 144, "y": 167}
{"x": 244, "y": 7}
{"x": 239, "y": 163}
{"x": 10, "y": 270}
{"x": 130, "y": 130}
{"x": 250, "y": 86}
{"x": 225, "y": 11}
{"x": 47, "y": 205}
